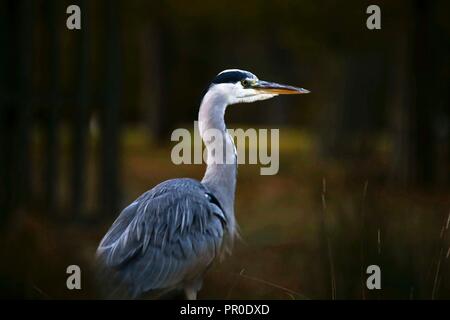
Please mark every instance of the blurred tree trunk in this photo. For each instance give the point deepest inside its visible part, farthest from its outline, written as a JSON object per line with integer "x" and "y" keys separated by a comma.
{"x": 52, "y": 149}
{"x": 25, "y": 103}
{"x": 15, "y": 114}
{"x": 80, "y": 115}
{"x": 423, "y": 106}
{"x": 156, "y": 70}
{"x": 400, "y": 101}
{"x": 8, "y": 22}
{"x": 355, "y": 106}
{"x": 151, "y": 75}
{"x": 414, "y": 98}
{"x": 109, "y": 113}
{"x": 440, "y": 117}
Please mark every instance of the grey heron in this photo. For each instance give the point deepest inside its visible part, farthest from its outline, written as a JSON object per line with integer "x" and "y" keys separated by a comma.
{"x": 168, "y": 237}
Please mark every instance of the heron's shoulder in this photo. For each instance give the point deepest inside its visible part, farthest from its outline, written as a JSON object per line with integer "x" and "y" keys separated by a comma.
{"x": 174, "y": 189}
{"x": 178, "y": 188}
{"x": 178, "y": 184}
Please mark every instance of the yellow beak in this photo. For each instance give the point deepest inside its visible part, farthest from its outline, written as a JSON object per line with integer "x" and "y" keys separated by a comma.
{"x": 276, "y": 88}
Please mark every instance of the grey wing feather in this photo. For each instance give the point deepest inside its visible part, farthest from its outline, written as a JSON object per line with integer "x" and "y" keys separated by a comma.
{"x": 167, "y": 237}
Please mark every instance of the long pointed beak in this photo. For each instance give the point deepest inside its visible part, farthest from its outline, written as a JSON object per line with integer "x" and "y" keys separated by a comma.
{"x": 276, "y": 88}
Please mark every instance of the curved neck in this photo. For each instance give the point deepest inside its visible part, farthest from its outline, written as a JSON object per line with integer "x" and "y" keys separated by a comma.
{"x": 220, "y": 175}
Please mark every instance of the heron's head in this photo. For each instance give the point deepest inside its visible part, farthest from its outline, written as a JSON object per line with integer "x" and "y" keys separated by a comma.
{"x": 240, "y": 86}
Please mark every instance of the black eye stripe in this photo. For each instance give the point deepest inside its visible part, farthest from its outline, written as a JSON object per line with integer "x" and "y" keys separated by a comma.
{"x": 231, "y": 77}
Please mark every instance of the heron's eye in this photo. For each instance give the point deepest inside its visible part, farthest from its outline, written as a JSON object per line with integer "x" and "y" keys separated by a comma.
{"x": 245, "y": 83}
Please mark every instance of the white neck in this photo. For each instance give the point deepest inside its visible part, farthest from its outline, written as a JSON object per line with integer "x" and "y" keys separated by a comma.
{"x": 220, "y": 176}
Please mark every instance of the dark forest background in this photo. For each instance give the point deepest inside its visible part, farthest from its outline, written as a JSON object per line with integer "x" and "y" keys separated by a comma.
{"x": 86, "y": 117}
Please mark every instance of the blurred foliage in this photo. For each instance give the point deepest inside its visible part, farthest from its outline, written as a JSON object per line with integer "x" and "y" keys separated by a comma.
{"x": 281, "y": 254}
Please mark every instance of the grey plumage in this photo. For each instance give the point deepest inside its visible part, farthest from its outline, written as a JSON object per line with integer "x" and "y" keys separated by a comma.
{"x": 162, "y": 240}
{"x": 167, "y": 238}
